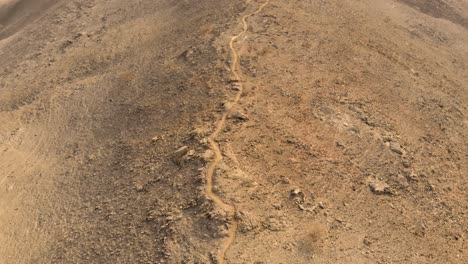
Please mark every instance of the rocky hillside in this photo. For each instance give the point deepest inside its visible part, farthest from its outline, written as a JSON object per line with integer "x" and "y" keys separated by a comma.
{"x": 218, "y": 131}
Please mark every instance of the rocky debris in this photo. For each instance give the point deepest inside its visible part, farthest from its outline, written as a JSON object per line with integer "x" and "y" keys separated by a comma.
{"x": 284, "y": 180}
{"x": 214, "y": 257}
{"x": 157, "y": 138}
{"x": 307, "y": 209}
{"x": 204, "y": 142}
{"x": 191, "y": 153}
{"x": 247, "y": 221}
{"x": 274, "y": 224}
{"x": 227, "y": 105}
{"x": 402, "y": 180}
{"x": 201, "y": 132}
{"x": 208, "y": 155}
{"x": 297, "y": 195}
{"x": 165, "y": 216}
{"x": 406, "y": 164}
{"x": 367, "y": 241}
{"x": 340, "y": 144}
{"x": 411, "y": 176}
{"x": 300, "y": 200}
{"x": 414, "y": 72}
{"x": 283, "y": 106}
{"x": 431, "y": 187}
{"x": 277, "y": 206}
{"x": 182, "y": 151}
{"x": 152, "y": 215}
{"x": 394, "y": 145}
{"x": 239, "y": 116}
{"x": 139, "y": 187}
{"x": 379, "y": 187}
{"x": 293, "y": 160}
{"x": 182, "y": 154}
{"x": 236, "y": 86}
{"x": 321, "y": 205}
{"x": 250, "y": 184}
{"x": 66, "y": 44}
{"x": 219, "y": 215}
{"x": 189, "y": 55}
{"x": 81, "y": 34}
{"x": 218, "y": 225}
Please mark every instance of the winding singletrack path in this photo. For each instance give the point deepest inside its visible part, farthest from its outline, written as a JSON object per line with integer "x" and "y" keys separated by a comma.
{"x": 215, "y": 147}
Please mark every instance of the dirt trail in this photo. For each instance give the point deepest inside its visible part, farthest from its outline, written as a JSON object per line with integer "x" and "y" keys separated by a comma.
{"x": 92, "y": 73}
{"x": 215, "y": 147}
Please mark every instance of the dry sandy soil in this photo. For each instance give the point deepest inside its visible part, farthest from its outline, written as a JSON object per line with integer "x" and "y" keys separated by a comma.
{"x": 329, "y": 132}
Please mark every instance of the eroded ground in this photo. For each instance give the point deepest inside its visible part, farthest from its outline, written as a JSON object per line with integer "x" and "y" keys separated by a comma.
{"x": 348, "y": 143}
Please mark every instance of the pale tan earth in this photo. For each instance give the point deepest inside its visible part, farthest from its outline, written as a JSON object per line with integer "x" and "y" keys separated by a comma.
{"x": 222, "y": 131}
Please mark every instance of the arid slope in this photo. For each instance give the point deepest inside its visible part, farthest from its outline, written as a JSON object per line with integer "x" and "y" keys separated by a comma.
{"x": 348, "y": 143}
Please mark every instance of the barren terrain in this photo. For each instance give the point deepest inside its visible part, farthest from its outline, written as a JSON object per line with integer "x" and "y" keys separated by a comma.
{"x": 221, "y": 131}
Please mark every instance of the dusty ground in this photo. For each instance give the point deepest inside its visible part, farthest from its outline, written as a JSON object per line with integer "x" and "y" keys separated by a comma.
{"x": 349, "y": 143}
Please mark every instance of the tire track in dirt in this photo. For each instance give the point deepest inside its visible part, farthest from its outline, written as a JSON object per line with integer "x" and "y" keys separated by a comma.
{"x": 230, "y": 208}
